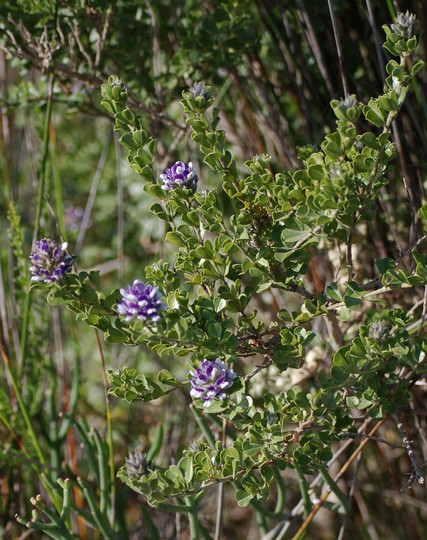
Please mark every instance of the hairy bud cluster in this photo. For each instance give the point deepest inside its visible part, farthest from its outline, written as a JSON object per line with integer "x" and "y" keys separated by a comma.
{"x": 137, "y": 464}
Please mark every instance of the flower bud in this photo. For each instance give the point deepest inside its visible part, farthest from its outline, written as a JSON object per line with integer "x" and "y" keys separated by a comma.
{"x": 137, "y": 464}
{"x": 405, "y": 25}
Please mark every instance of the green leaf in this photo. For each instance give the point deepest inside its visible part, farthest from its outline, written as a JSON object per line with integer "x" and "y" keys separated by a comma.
{"x": 219, "y": 304}
{"x": 316, "y": 172}
{"x": 419, "y": 64}
{"x": 243, "y": 498}
{"x": 352, "y": 401}
{"x": 175, "y": 238}
{"x": 167, "y": 377}
{"x": 214, "y": 330}
{"x": 112, "y": 335}
{"x": 384, "y": 265}
{"x": 153, "y": 189}
{"x": 157, "y": 209}
{"x": 186, "y": 466}
{"x": 369, "y": 139}
{"x": 339, "y": 374}
{"x": 345, "y": 314}
{"x": 128, "y": 141}
{"x": 263, "y": 286}
{"x": 333, "y": 290}
{"x": 292, "y": 236}
{"x": 372, "y": 117}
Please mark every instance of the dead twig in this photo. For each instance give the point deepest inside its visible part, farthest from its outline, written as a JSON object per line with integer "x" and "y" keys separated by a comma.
{"x": 416, "y": 475}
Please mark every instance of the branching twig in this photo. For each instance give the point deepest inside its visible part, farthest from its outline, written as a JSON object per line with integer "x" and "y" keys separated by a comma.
{"x": 355, "y": 435}
{"x": 267, "y": 362}
{"x": 343, "y": 469}
{"x": 416, "y": 475}
{"x": 338, "y": 46}
{"x": 103, "y": 35}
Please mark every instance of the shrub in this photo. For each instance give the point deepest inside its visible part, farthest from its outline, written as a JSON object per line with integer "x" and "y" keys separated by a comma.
{"x": 269, "y": 314}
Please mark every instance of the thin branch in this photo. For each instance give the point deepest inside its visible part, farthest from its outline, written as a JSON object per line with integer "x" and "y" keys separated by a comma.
{"x": 267, "y": 362}
{"x": 424, "y": 315}
{"x": 416, "y": 475}
{"x": 103, "y": 36}
{"x": 378, "y": 439}
{"x": 220, "y": 503}
{"x": 350, "y": 496}
{"x": 120, "y": 211}
{"x": 92, "y": 194}
{"x": 343, "y": 469}
{"x": 76, "y": 33}
{"x": 338, "y": 46}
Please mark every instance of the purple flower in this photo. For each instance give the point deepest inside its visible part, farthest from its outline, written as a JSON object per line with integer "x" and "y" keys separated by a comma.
{"x": 141, "y": 301}
{"x": 50, "y": 261}
{"x": 179, "y": 175}
{"x": 210, "y": 380}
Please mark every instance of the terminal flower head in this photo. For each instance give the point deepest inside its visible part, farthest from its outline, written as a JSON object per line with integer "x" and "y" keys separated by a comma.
{"x": 200, "y": 90}
{"x": 180, "y": 175}
{"x": 379, "y": 331}
{"x": 210, "y": 380}
{"x": 50, "y": 261}
{"x": 349, "y": 102}
{"x": 141, "y": 301}
{"x": 137, "y": 464}
{"x": 405, "y": 25}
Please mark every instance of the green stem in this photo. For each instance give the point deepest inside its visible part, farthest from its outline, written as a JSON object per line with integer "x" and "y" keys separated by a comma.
{"x": 281, "y": 491}
{"x": 33, "y": 436}
{"x": 157, "y": 443}
{"x": 46, "y": 138}
{"x": 335, "y": 489}
{"x": 99, "y": 518}
{"x": 42, "y": 182}
{"x": 110, "y": 440}
{"x": 203, "y": 425}
{"x": 193, "y": 518}
{"x": 154, "y": 533}
{"x": 59, "y": 199}
{"x": 24, "y": 412}
{"x": 303, "y": 485}
{"x": 174, "y": 507}
{"x": 391, "y": 9}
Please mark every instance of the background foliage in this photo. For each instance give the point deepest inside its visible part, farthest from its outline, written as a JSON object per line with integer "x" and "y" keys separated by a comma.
{"x": 282, "y": 251}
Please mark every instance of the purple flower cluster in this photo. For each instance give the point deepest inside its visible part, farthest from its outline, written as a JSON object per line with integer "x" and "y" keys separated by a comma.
{"x": 142, "y": 302}
{"x": 210, "y": 380}
{"x": 50, "y": 261}
{"x": 179, "y": 175}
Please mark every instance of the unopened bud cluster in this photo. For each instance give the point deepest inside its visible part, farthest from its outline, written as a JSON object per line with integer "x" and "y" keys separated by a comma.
{"x": 379, "y": 331}
{"x": 137, "y": 464}
{"x": 405, "y": 25}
